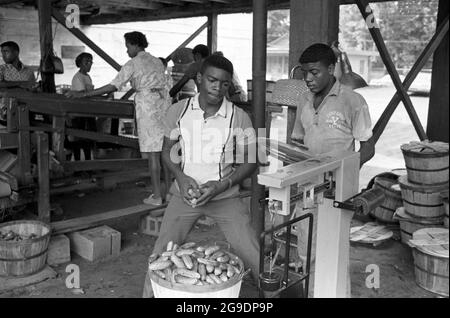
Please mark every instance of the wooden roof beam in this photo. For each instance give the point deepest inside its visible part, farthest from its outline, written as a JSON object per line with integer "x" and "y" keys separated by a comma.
{"x": 135, "y": 4}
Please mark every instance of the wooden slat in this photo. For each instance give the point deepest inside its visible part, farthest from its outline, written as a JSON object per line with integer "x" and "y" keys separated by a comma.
{"x": 139, "y": 4}
{"x": 44, "y": 176}
{"x": 118, "y": 140}
{"x": 9, "y": 140}
{"x": 80, "y": 223}
{"x": 112, "y": 164}
{"x": 189, "y": 10}
{"x": 57, "y": 104}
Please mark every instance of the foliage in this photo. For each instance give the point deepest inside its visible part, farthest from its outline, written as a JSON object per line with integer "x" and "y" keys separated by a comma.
{"x": 406, "y": 26}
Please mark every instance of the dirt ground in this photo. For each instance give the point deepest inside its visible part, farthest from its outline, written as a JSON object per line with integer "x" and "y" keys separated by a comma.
{"x": 123, "y": 276}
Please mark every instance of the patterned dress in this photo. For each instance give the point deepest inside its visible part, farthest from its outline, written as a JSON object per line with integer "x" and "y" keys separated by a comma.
{"x": 146, "y": 74}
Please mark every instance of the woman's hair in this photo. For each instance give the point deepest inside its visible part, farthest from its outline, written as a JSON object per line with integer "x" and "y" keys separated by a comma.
{"x": 319, "y": 53}
{"x": 136, "y": 38}
{"x": 218, "y": 61}
{"x": 201, "y": 49}
{"x": 80, "y": 58}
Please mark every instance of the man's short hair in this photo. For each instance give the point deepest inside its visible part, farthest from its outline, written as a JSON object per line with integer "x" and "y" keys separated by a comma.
{"x": 219, "y": 62}
{"x": 201, "y": 49}
{"x": 136, "y": 38}
{"x": 319, "y": 52}
{"x": 82, "y": 56}
{"x": 11, "y": 44}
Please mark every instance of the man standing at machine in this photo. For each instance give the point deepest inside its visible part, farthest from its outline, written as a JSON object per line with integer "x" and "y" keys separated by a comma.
{"x": 329, "y": 119}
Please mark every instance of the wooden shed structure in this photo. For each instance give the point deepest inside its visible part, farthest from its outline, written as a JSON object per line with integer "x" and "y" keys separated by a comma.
{"x": 311, "y": 21}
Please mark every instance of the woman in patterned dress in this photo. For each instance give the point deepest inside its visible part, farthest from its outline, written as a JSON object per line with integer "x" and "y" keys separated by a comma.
{"x": 146, "y": 75}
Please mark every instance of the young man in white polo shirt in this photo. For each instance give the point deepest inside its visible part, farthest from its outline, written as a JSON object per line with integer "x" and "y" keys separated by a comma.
{"x": 208, "y": 129}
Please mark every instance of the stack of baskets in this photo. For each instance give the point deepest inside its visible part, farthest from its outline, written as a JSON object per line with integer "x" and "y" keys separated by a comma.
{"x": 392, "y": 198}
{"x": 424, "y": 188}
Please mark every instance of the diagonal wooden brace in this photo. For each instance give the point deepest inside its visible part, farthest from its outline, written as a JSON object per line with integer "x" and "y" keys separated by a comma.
{"x": 418, "y": 65}
{"x": 367, "y": 14}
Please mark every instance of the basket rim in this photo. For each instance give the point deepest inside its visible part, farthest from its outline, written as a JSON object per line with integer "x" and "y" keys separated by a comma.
{"x": 200, "y": 289}
{"x": 433, "y": 188}
{"x": 40, "y": 238}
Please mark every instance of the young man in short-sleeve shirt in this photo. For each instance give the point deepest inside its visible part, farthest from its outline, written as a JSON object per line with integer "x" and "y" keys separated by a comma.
{"x": 331, "y": 117}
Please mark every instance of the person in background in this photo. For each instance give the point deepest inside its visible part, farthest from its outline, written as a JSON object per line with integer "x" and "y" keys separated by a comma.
{"x": 82, "y": 82}
{"x": 146, "y": 74}
{"x": 168, "y": 85}
{"x": 200, "y": 52}
{"x": 13, "y": 74}
{"x": 235, "y": 93}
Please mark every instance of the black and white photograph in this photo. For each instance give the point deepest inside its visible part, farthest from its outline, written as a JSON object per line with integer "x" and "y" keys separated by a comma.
{"x": 224, "y": 156}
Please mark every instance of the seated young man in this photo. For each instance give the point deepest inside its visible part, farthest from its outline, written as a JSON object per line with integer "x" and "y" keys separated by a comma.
{"x": 206, "y": 127}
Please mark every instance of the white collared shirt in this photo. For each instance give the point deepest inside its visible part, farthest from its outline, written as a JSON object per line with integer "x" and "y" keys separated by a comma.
{"x": 210, "y": 146}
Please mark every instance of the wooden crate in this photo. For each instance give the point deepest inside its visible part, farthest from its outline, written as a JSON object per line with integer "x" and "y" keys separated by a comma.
{"x": 96, "y": 243}
{"x": 151, "y": 225}
{"x": 58, "y": 250}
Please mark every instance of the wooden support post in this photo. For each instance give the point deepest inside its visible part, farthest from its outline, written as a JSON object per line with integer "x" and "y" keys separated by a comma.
{"x": 367, "y": 14}
{"x": 311, "y": 22}
{"x": 259, "y": 101}
{"x": 59, "y": 124}
{"x": 409, "y": 79}
{"x": 44, "y": 176}
{"x": 331, "y": 276}
{"x": 12, "y": 120}
{"x": 212, "y": 32}
{"x": 24, "y": 152}
{"x": 438, "y": 127}
{"x": 46, "y": 43}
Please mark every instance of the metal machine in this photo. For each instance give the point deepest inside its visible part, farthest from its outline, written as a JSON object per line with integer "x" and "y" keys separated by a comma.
{"x": 307, "y": 181}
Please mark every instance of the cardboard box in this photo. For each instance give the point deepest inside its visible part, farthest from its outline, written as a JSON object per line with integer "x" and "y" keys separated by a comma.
{"x": 151, "y": 225}
{"x": 96, "y": 243}
{"x": 58, "y": 250}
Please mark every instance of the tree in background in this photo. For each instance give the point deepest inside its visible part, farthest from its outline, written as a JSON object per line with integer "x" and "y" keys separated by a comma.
{"x": 278, "y": 24}
{"x": 406, "y": 26}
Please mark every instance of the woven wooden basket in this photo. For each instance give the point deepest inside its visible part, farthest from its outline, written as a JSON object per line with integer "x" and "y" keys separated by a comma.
{"x": 288, "y": 91}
